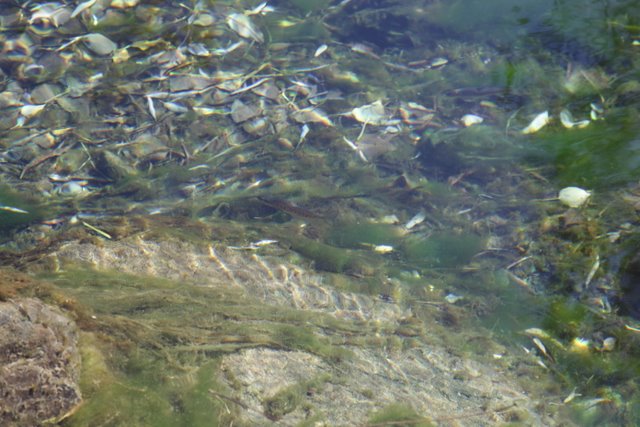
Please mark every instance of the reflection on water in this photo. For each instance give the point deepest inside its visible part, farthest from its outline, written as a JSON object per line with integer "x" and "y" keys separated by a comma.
{"x": 335, "y": 132}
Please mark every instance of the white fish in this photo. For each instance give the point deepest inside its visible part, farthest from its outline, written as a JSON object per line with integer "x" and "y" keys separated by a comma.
{"x": 540, "y": 346}
{"x": 152, "y": 108}
{"x": 224, "y": 51}
{"x": 82, "y": 7}
{"x": 383, "y": 249}
{"x": 567, "y": 120}
{"x": 264, "y": 242}
{"x": 304, "y": 132}
{"x": 12, "y": 209}
{"x": 608, "y": 344}
{"x": 261, "y": 9}
{"x": 471, "y": 119}
{"x": 29, "y": 111}
{"x": 571, "y": 396}
{"x": 417, "y": 219}
{"x": 320, "y": 50}
{"x": 350, "y": 143}
{"x": 592, "y": 272}
{"x": 311, "y": 115}
{"x": 175, "y": 107}
{"x": 540, "y": 121}
{"x": 438, "y": 62}
{"x": 580, "y": 345}
{"x": 452, "y": 298}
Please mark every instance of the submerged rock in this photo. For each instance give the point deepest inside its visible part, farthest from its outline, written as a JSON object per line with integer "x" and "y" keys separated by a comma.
{"x": 336, "y": 346}
{"x": 40, "y": 363}
{"x": 291, "y": 387}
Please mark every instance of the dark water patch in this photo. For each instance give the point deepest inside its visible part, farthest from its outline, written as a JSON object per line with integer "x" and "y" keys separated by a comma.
{"x": 18, "y": 209}
{"x": 630, "y": 280}
{"x": 596, "y": 32}
{"x": 380, "y": 23}
{"x": 442, "y": 249}
{"x": 601, "y": 156}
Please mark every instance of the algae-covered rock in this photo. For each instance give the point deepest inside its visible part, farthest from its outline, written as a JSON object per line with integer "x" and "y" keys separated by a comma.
{"x": 395, "y": 414}
{"x": 40, "y": 363}
{"x": 293, "y": 387}
{"x": 268, "y": 340}
{"x": 113, "y": 166}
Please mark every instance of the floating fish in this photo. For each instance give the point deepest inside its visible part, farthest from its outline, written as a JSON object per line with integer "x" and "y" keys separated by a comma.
{"x": 12, "y": 209}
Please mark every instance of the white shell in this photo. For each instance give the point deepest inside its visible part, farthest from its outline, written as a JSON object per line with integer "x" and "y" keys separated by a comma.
{"x": 573, "y": 197}
{"x": 471, "y": 119}
{"x": 540, "y": 121}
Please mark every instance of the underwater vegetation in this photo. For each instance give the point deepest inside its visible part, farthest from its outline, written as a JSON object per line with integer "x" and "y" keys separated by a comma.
{"x": 472, "y": 162}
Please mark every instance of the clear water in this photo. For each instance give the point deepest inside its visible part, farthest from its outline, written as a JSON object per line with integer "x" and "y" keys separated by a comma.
{"x": 491, "y": 232}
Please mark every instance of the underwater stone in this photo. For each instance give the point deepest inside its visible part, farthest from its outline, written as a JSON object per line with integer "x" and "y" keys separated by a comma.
{"x": 39, "y": 363}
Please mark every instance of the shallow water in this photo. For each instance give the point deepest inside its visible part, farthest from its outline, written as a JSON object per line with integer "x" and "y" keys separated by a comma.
{"x": 407, "y": 205}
